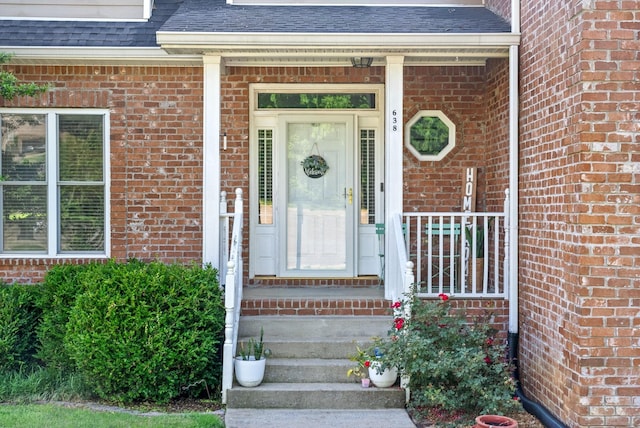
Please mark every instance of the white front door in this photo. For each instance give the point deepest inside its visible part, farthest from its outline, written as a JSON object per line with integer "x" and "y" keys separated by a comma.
{"x": 318, "y": 234}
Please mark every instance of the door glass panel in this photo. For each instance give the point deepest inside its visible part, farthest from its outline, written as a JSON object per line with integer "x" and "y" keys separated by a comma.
{"x": 265, "y": 176}
{"x": 316, "y": 237}
{"x": 367, "y": 176}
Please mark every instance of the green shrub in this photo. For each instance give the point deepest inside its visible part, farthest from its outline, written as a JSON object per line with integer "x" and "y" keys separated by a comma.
{"x": 18, "y": 319}
{"x": 60, "y": 288}
{"x": 454, "y": 365}
{"x": 146, "y": 331}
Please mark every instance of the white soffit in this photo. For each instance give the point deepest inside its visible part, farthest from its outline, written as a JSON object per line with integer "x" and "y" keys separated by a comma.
{"x": 337, "y": 49}
{"x": 195, "y": 40}
{"x": 98, "y": 56}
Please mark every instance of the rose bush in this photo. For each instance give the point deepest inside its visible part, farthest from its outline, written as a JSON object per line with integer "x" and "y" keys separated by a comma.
{"x": 454, "y": 364}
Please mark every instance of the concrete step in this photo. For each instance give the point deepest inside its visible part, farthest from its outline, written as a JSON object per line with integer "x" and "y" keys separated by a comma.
{"x": 307, "y": 370}
{"x": 309, "y": 363}
{"x": 318, "y": 348}
{"x": 317, "y": 418}
{"x": 291, "y": 327}
{"x": 315, "y": 396}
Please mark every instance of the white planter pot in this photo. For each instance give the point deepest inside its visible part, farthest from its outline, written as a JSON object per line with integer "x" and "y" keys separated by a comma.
{"x": 385, "y": 379}
{"x": 249, "y": 373}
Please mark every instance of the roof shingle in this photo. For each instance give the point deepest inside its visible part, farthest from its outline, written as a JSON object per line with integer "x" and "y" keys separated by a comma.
{"x": 213, "y": 16}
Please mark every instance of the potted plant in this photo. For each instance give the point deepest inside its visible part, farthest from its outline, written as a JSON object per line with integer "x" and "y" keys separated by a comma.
{"x": 361, "y": 369}
{"x": 251, "y": 362}
{"x": 381, "y": 374}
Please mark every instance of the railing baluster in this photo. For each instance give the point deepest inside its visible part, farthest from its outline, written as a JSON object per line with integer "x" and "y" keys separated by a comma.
{"x": 233, "y": 265}
{"x": 430, "y": 233}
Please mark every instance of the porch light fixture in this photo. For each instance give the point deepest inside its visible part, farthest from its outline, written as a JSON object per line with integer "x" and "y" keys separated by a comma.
{"x": 361, "y": 61}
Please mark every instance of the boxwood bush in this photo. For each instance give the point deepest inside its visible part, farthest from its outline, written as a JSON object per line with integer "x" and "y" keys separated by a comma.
{"x": 59, "y": 290}
{"x": 135, "y": 331}
{"x": 18, "y": 319}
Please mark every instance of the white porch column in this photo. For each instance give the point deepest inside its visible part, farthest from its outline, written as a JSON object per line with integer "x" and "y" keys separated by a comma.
{"x": 211, "y": 161}
{"x": 393, "y": 118}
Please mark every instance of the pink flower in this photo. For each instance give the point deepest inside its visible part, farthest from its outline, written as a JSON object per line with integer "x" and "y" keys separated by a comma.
{"x": 367, "y": 363}
{"x": 443, "y": 296}
{"x": 396, "y": 305}
{"x": 399, "y": 322}
{"x": 487, "y": 360}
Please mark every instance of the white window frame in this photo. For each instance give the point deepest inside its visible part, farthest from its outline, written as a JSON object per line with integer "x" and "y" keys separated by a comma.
{"x": 52, "y": 183}
{"x": 445, "y": 150}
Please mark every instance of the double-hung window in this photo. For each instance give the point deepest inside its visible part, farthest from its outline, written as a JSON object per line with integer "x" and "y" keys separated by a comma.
{"x": 54, "y": 182}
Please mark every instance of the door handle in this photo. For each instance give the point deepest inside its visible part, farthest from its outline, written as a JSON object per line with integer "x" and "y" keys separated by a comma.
{"x": 348, "y": 194}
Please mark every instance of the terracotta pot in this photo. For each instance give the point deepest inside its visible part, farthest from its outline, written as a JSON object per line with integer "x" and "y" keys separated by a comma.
{"x": 489, "y": 421}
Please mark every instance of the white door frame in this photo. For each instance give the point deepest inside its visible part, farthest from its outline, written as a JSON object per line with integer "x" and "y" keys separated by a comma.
{"x": 267, "y": 235}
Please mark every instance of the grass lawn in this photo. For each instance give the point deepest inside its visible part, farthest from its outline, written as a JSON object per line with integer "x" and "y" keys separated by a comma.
{"x": 53, "y": 416}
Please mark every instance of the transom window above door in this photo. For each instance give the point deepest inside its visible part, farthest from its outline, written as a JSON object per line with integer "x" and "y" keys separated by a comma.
{"x": 311, "y": 100}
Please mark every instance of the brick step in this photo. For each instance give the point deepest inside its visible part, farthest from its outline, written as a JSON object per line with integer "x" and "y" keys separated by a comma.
{"x": 304, "y": 301}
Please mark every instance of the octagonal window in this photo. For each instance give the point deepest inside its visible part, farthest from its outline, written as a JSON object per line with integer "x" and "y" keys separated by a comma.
{"x": 430, "y": 135}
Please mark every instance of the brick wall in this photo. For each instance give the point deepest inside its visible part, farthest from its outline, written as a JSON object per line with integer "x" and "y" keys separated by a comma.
{"x": 496, "y": 110}
{"x": 579, "y": 269}
{"x": 460, "y": 93}
{"x": 156, "y": 142}
{"x": 156, "y": 156}
{"x": 501, "y": 7}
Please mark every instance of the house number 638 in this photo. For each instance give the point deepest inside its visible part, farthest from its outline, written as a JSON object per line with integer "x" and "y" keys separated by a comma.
{"x": 394, "y": 120}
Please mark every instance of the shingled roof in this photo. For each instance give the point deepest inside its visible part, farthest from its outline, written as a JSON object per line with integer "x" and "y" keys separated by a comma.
{"x": 24, "y": 33}
{"x": 215, "y": 16}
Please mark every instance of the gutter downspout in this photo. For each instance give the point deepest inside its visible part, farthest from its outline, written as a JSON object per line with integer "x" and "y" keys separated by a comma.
{"x": 542, "y": 413}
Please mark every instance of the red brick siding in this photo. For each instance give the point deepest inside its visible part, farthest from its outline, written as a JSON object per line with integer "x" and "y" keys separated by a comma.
{"x": 579, "y": 244}
{"x": 156, "y": 156}
{"x": 496, "y": 110}
{"x": 501, "y": 7}
{"x": 156, "y": 142}
{"x": 460, "y": 93}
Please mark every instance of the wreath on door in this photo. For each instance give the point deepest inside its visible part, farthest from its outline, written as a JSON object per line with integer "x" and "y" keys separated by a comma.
{"x": 314, "y": 165}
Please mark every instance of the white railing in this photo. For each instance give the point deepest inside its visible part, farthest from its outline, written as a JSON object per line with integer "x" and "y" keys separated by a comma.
{"x": 398, "y": 276}
{"x": 232, "y": 285}
{"x": 463, "y": 254}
